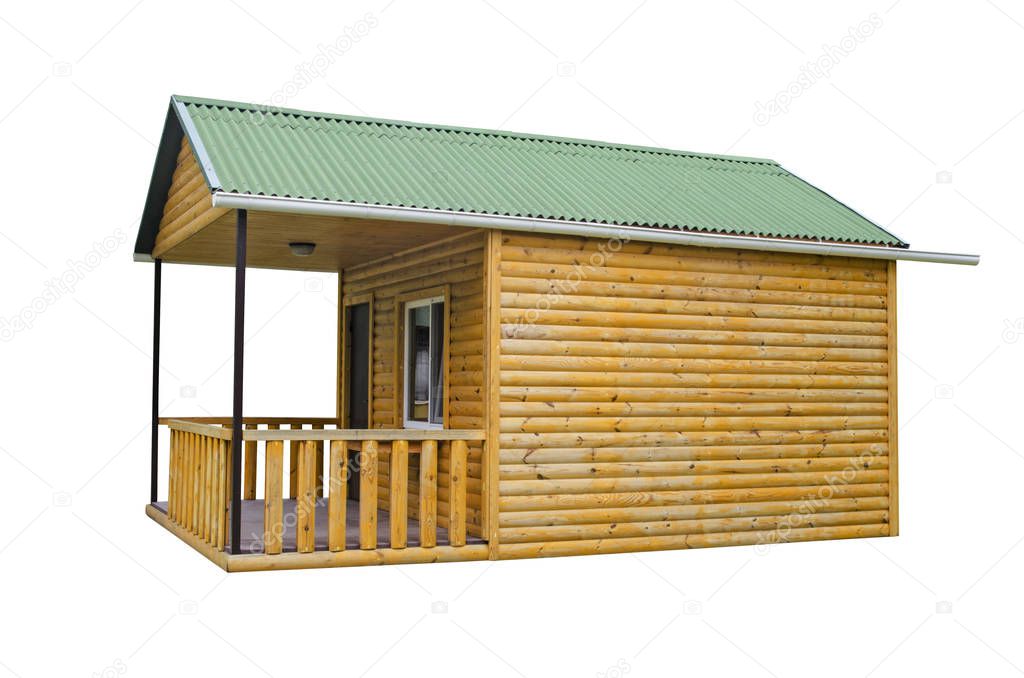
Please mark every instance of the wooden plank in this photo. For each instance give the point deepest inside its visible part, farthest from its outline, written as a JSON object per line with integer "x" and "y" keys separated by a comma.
{"x": 668, "y": 513}
{"x": 379, "y": 434}
{"x": 223, "y": 489}
{"x": 273, "y": 510}
{"x": 184, "y": 478}
{"x": 172, "y": 495}
{"x": 337, "y": 497}
{"x": 894, "y": 422}
{"x": 305, "y": 502}
{"x": 723, "y": 309}
{"x": 428, "y": 493}
{"x": 203, "y": 429}
{"x": 682, "y": 258}
{"x": 319, "y": 445}
{"x": 368, "y": 495}
{"x": 249, "y": 470}
{"x": 399, "y": 493}
{"x": 457, "y": 495}
{"x": 547, "y": 285}
{"x": 634, "y": 454}
{"x": 215, "y": 425}
{"x": 514, "y": 488}
{"x": 215, "y": 498}
{"x": 557, "y": 502}
{"x": 301, "y": 561}
{"x": 293, "y": 460}
{"x": 200, "y": 499}
{"x": 190, "y": 481}
{"x": 676, "y": 321}
{"x": 210, "y": 485}
{"x": 621, "y": 530}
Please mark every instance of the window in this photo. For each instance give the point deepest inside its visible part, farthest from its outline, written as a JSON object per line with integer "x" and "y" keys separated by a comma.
{"x": 424, "y": 363}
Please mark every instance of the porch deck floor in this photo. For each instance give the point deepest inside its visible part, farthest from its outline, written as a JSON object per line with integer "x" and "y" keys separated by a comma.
{"x": 252, "y": 527}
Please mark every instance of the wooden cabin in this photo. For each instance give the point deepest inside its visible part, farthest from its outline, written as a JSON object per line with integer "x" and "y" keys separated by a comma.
{"x": 546, "y": 346}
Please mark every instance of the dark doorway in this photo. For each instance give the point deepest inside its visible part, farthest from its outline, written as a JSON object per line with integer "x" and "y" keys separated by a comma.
{"x": 357, "y": 397}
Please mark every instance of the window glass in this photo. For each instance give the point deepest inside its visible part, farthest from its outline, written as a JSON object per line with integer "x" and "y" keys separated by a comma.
{"x": 424, "y": 392}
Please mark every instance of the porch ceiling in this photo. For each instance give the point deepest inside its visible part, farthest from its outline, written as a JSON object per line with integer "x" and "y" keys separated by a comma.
{"x": 340, "y": 242}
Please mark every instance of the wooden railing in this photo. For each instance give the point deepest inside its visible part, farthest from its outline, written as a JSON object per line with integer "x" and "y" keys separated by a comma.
{"x": 199, "y": 491}
{"x": 199, "y": 496}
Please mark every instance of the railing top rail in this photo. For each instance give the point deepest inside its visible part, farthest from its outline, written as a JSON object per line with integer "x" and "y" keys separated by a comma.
{"x": 382, "y": 434}
{"x": 277, "y": 421}
{"x": 208, "y": 427}
{"x": 201, "y": 429}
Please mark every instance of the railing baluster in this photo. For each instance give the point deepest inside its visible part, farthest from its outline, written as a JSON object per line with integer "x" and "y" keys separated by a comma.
{"x": 293, "y": 463}
{"x": 179, "y": 484}
{"x": 249, "y": 469}
{"x": 215, "y": 509}
{"x": 197, "y": 528}
{"x": 207, "y": 487}
{"x": 368, "y": 495}
{"x": 319, "y": 462}
{"x": 428, "y": 493}
{"x": 398, "y": 494}
{"x": 171, "y": 495}
{"x": 273, "y": 511}
{"x": 457, "y": 494}
{"x": 337, "y": 498}
{"x": 190, "y": 483}
{"x": 223, "y": 489}
{"x": 305, "y": 503}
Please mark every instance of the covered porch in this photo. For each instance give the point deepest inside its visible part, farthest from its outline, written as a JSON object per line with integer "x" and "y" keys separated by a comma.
{"x": 255, "y": 493}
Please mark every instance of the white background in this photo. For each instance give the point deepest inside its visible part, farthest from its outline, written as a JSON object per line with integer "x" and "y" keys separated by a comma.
{"x": 919, "y": 127}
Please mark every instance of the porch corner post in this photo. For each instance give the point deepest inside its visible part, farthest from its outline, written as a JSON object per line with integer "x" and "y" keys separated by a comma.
{"x": 241, "y": 224}
{"x": 154, "y": 453}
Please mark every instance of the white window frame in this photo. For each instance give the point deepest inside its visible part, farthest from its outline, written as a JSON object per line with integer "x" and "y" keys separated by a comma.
{"x": 410, "y": 305}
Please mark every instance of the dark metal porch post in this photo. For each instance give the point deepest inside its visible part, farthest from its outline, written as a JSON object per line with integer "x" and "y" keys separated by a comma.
{"x": 154, "y": 454}
{"x": 241, "y": 223}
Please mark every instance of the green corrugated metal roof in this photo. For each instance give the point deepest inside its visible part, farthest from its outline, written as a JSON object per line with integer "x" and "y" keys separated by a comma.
{"x": 299, "y": 154}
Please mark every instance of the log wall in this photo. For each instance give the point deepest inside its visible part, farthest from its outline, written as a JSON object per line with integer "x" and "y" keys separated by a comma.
{"x": 189, "y": 206}
{"x": 657, "y": 396}
{"x": 457, "y": 265}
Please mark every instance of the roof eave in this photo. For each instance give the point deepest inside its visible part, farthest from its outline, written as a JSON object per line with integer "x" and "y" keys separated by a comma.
{"x": 565, "y": 227}
{"x": 159, "y": 184}
{"x": 177, "y": 124}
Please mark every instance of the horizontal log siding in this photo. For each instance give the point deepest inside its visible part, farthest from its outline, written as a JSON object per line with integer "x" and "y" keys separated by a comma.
{"x": 657, "y": 396}
{"x": 458, "y": 263}
{"x": 189, "y": 206}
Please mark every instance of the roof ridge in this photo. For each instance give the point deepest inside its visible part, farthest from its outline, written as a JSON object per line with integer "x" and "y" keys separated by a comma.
{"x": 507, "y": 134}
